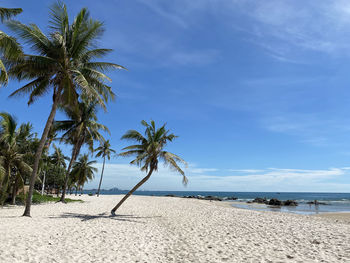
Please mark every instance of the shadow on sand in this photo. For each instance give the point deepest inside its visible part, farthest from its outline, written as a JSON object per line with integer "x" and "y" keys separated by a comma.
{"x": 85, "y": 217}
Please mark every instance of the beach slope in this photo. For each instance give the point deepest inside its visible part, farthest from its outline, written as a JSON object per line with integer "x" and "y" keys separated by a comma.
{"x": 166, "y": 229}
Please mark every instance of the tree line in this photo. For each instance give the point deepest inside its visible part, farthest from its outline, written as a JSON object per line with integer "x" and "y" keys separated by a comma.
{"x": 64, "y": 62}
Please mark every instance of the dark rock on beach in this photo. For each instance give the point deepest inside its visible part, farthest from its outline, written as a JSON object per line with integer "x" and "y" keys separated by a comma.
{"x": 208, "y": 197}
{"x": 290, "y": 203}
{"x": 275, "y": 202}
{"x": 230, "y": 198}
{"x": 213, "y": 198}
{"x": 260, "y": 200}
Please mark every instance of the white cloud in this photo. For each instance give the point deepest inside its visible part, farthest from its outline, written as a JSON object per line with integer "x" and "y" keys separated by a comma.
{"x": 125, "y": 176}
{"x": 245, "y": 170}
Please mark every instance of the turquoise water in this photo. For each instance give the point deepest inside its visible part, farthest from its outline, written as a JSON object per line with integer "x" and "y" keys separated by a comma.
{"x": 335, "y": 202}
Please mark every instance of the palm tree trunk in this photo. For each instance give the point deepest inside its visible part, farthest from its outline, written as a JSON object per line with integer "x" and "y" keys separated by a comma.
{"x": 14, "y": 193}
{"x": 132, "y": 191}
{"x": 40, "y": 150}
{"x": 75, "y": 153}
{"x": 5, "y": 183}
{"x": 103, "y": 168}
{"x": 43, "y": 186}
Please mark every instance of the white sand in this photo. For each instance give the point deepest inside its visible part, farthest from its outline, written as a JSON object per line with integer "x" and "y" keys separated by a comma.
{"x": 165, "y": 229}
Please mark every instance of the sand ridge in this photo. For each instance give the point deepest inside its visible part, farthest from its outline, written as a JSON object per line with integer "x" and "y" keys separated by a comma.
{"x": 166, "y": 229}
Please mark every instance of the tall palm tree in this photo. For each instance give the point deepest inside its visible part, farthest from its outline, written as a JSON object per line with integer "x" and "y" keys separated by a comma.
{"x": 11, "y": 159}
{"x": 81, "y": 128}
{"x": 64, "y": 64}
{"x": 148, "y": 152}
{"x": 9, "y": 47}
{"x": 104, "y": 150}
{"x": 83, "y": 171}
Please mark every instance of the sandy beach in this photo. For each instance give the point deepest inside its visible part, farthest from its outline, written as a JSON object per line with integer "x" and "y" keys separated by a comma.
{"x": 165, "y": 229}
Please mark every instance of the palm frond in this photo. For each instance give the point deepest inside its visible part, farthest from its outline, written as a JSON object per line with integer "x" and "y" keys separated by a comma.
{"x": 7, "y": 13}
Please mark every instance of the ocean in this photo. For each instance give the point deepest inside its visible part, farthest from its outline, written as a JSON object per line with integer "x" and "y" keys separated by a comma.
{"x": 334, "y": 202}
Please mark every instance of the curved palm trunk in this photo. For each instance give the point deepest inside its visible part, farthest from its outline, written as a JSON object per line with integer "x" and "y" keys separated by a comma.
{"x": 103, "y": 168}
{"x": 132, "y": 191}
{"x": 75, "y": 153}
{"x": 39, "y": 151}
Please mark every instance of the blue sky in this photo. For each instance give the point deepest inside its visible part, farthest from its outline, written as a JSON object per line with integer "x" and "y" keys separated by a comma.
{"x": 258, "y": 91}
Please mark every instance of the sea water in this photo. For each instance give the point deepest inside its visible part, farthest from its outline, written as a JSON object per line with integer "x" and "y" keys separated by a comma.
{"x": 334, "y": 202}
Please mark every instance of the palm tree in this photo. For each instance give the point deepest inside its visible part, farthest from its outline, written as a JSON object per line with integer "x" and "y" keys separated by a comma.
{"x": 9, "y": 47}
{"x": 81, "y": 128}
{"x": 104, "y": 150}
{"x": 148, "y": 152}
{"x": 11, "y": 160}
{"x": 64, "y": 64}
{"x": 83, "y": 171}
{"x": 58, "y": 159}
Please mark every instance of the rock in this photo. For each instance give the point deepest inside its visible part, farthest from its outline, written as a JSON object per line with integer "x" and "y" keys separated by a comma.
{"x": 208, "y": 197}
{"x": 290, "y": 203}
{"x": 275, "y": 202}
{"x": 230, "y": 198}
{"x": 170, "y": 195}
{"x": 260, "y": 200}
{"x": 212, "y": 198}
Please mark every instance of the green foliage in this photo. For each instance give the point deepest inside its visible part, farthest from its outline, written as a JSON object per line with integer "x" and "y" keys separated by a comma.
{"x": 83, "y": 171}
{"x": 39, "y": 199}
{"x": 7, "y": 13}
{"x": 82, "y": 126}
{"x": 104, "y": 150}
{"x": 12, "y": 155}
{"x": 150, "y": 149}
{"x": 9, "y": 47}
{"x": 64, "y": 60}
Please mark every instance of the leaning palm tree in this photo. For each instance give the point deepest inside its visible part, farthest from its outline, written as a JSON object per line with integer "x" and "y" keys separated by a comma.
{"x": 81, "y": 128}
{"x": 64, "y": 64}
{"x": 104, "y": 150}
{"x": 83, "y": 171}
{"x": 148, "y": 153}
{"x": 9, "y": 48}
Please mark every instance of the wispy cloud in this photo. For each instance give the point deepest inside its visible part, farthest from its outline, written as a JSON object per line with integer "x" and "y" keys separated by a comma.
{"x": 283, "y": 28}
{"x": 248, "y": 171}
{"x": 125, "y": 176}
{"x": 159, "y": 10}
